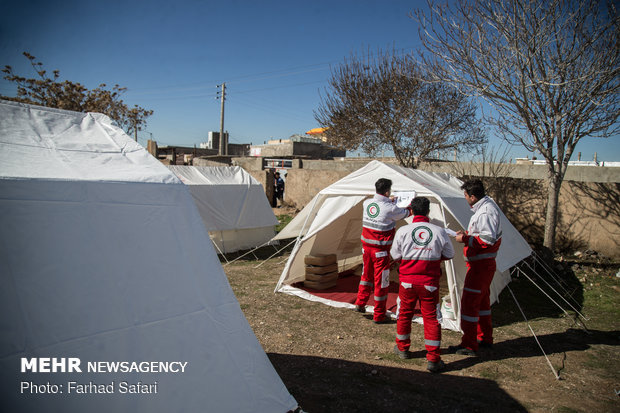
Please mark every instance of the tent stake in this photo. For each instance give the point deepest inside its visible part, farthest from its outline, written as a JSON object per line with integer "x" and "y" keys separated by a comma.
{"x": 557, "y": 376}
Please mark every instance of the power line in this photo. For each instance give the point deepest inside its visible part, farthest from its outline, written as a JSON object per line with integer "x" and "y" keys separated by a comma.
{"x": 215, "y": 95}
{"x": 278, "y": 76}
{"x": 235, "y": 79}
{"x": 206, "y": 96}
{"x": 262, "y": 108}
{"x": 279, "y": 87}
{"x": 270, "y": 107}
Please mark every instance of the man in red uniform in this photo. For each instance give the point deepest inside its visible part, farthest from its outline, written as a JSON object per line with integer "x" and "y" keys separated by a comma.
{"x": 378, "y": 228}
{"x": 482, "y": 241}
{"x": 420, "y": 246}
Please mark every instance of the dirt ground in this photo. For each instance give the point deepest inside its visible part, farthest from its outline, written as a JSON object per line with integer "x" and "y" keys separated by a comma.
{"x": 337, "y": 360}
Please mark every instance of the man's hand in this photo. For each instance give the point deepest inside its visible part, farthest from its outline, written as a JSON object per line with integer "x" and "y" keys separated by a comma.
{"x": 459, "y": 236}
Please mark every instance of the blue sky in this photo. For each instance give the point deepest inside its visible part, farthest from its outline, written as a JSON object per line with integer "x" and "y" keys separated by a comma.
{"x": 275, "y": 57}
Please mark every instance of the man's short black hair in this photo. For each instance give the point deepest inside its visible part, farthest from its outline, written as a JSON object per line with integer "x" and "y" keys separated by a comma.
{"x": 383, "y": 185}
{"x": 277, "y": 173}
{"x": 421, "y": 206}
{"x": 474, "y": 187}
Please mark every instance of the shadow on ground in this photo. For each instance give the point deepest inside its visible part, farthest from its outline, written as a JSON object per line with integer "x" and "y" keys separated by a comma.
{"x": 333, "y": 385}
{"x": 541, "y": 291}
{"x": 570, "y": 340}
{"x": 262, "y": 253}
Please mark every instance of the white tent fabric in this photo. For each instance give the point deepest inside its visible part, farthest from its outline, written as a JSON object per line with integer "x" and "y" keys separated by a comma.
{"x": 232, "y": 204}
{"x": 331, "y": 223}
{"x": 104, "y": 258}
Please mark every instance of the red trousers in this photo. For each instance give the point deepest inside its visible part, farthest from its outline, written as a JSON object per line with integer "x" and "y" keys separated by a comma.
{"x": 376, "y": 274}
{"x": 475, "y": 304}
{"x": 428, "y": 295}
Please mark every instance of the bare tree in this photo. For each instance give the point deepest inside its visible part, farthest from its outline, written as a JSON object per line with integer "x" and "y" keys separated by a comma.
{"x": 549, "y": 69}
{"x": 491, "y": 162}
{"x": 382, "y": 102}
{"x": 51, "y": 92}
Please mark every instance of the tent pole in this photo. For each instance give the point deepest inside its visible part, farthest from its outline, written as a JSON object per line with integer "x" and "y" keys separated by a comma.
{"x": 457, "y": 309}
{"x": 573, "y": 308}
{"x": 557, "y": 376}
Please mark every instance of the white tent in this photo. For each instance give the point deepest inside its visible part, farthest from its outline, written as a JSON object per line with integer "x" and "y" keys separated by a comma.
{"x": 232, "y": 204}
{"x": 104, "y": 257}
{"x": 331, "y": 223}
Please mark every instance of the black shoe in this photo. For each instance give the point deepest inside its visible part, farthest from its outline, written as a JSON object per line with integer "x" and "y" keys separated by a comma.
{"x": 360, "y": 308}
{"x": 463, "y": 351}
{"x": 452, "y": 349}
{"x": 402, "y": 354}
{"x": 484, "y": 344}
{"x": 435, "y": 367}
{"x": 386, "y": 320}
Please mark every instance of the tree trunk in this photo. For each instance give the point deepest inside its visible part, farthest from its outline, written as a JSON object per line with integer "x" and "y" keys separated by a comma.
{"x": 553, "y": 195}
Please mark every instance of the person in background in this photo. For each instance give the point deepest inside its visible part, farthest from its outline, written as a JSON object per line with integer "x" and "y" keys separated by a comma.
{"x": 420, "y": 247}
{"x": 378, "y": 228}
{"x": 482, "y": 241}
{"x": 278, "y": 192}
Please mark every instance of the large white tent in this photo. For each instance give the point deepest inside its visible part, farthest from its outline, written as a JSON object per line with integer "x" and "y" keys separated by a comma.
{"x": 232, "y": 204}
{"x": 104, "y": 257}
{"x": 331, "y": 223}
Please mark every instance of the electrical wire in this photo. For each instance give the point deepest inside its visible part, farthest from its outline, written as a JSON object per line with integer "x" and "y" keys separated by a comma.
{"x": 273, "y": 111}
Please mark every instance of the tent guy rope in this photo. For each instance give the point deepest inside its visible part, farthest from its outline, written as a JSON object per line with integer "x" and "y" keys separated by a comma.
{"x": 554, "y": 276}
{"x": 555, "y": 374}
{"x": 275, "y": 253}
{"x": 549, "y": 297}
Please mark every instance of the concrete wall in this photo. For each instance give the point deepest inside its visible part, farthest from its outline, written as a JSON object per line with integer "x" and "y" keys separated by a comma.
{"x": 252, "y": 163}
{"x": 287, "y": 149}
{"x": 339, "y": 164}
{"x": 212, "y": 161}
{"x": 588, "y": 216}
{"x": 303, "y": 184}
{"x": 290, "y": 148}
{"x": 573, "y": 173}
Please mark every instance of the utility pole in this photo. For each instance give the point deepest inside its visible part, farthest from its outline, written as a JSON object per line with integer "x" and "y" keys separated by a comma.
{"x": 223, "y": 150}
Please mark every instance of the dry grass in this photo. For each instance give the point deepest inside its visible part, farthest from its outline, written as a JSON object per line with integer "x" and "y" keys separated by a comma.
{"x": 336, "y": 360}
